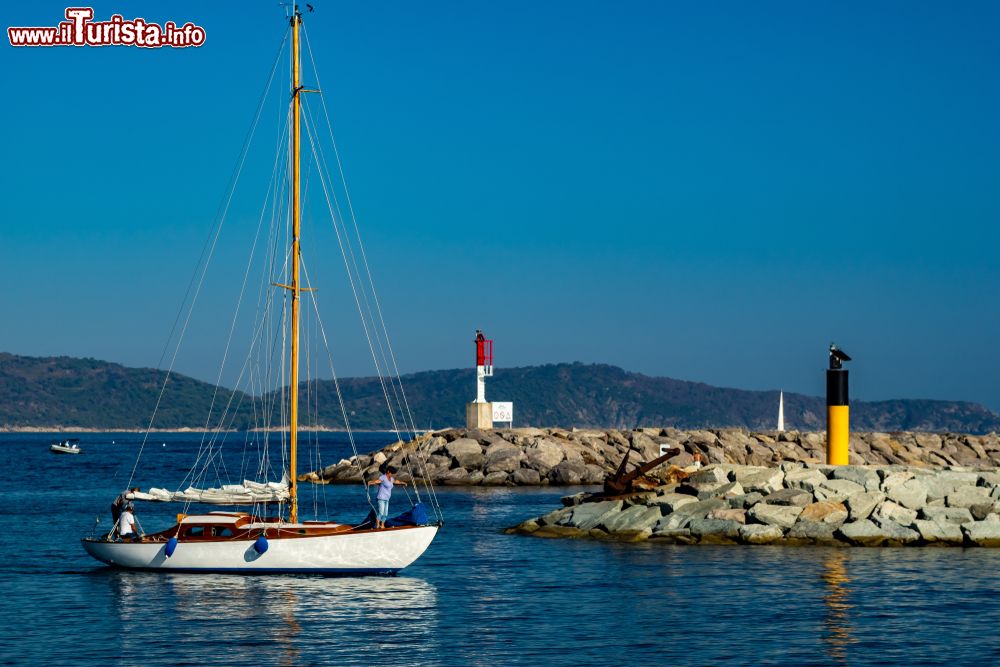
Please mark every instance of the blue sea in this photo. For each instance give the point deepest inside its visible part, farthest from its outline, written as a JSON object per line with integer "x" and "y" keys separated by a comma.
{"x": 476, "y": 597}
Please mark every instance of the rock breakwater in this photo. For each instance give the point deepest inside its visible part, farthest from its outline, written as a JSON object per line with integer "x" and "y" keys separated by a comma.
{"x": 794, "y": 504}
{"x": 532, "y": 456}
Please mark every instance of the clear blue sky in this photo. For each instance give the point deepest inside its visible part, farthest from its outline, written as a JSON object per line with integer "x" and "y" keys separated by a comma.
{"x": 707, "y": 191}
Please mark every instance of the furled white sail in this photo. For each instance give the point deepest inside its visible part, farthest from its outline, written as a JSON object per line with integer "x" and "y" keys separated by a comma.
{"x": 781, "y": 412}
{"x": 229, "y": 494}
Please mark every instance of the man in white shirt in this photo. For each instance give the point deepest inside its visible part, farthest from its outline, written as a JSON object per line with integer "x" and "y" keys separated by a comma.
{"x": 127, "y": 529}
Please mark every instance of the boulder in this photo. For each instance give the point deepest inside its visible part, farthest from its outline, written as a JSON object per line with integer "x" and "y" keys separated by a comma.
{"x": 911, "y": 493}
{"x": 739, "y": 516}
{"x": 837, "y": 490}
{"x": 682, "y": 460}
{"x": 775, "y": 515}
{"x": 796, "y": 497}
{"x": 559, "y": 516}
{"x": 523, "y": 476}
{"x": 463, "y": 447}
{"x": 503, "y": 457}
{"x": 982, "y": 533}
{"x": 976, "y": 499}
{"x": 939, "y": 486}
{"x": 560, "y": 531}
{"x": 575, "y": 451}
{"x": 757, "y": 533}
{"x": 866, "y": 477}
{"x": 456, "y": 477}
{"x": 746, "y": 501}
{"x": 713, "y": 474}
{"x": 470, "y": 460}
{"x": 671, "y": 535}
{"x": 524, "y": 528}
{"x": 722, "y": 491}
{"x": 635, "y": 518}
{"x": 956, "y": 515}
{"x": 438, "y": 462}
{"x": 895, "y": 478}
{"x": 757, "y": 454}
{"x": 672, "y": 501}
{"x": 863, "y": 533}
{"x": 806, "y": 479}
{"x": 683, "y": 515}
{"x": 544, "y": 455}
{"x": 989, "y": 478}
{"x": 435, "y": 445}
{"x": 890, "y": 511}
{"x": 833, "y": 514}
{"x": 960, "y": 477}
{"x": 703, "y": 438}
{"x": 742, "y": 472}
{"x": 647, "y": 448}
{"x": 861, "y": 505}
{"x": 715, "y": 531}
{"x": 568, "y": 472}
{"x": 765, "y": 481}
{"x": 928, "y": 440}
{"x": 591, "y": 515}
{"x": 593, "y": 474}
{"x": 576, "y": 498}
{"x": 481, "y": 436}
{"x": 895, "y": 534}
{"x": 939, "y": 531}
{"x": 495, "y": 479}
{"x": 701, "y": 489}
{"x": 811, "y": 532}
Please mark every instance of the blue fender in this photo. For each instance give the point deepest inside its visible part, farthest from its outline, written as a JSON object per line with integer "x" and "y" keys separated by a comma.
{"x": 260, "y": 546}
{"x": 171, "y": 546}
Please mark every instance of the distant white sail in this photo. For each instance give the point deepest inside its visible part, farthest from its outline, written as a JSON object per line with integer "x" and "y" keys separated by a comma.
{"x": 229, "y": 494}
{"x": 781, "y": 412}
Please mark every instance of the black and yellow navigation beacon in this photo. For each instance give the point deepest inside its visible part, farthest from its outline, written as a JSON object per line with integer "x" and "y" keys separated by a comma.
{"x": 838, "y": 422}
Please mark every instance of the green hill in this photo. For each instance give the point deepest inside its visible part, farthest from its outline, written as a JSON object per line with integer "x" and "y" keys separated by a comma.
{"x": 599, "y": 395}
{"x": 86, "y": 393}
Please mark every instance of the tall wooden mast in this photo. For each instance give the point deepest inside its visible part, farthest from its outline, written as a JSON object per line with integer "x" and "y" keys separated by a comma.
{"x": 293, "y": 413}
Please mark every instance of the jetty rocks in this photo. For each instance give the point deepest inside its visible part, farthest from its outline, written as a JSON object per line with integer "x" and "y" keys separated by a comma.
{"x": 533, "y": 456}
{"x": 793, "y": 504}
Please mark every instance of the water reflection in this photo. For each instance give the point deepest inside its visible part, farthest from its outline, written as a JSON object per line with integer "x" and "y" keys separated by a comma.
{"x": 836, "y": 597}
{"x": 294, "y": 619}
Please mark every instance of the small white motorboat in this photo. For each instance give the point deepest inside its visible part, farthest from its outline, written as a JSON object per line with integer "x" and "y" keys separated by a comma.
{"x": 71, "y": 446}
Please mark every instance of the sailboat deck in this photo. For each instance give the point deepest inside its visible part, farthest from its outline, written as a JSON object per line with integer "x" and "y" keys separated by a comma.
{"x": 235, "y": 526}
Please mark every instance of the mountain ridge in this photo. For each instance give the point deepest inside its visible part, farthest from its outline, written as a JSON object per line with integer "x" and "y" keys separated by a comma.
{"x": 88, "y": 393}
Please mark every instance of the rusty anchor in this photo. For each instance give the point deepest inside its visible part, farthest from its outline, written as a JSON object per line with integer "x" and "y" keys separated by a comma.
{"x": 623, "y": 483}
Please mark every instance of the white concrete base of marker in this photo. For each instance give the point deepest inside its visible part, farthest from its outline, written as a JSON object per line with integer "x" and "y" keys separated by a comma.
{"x": 478, "y": 415}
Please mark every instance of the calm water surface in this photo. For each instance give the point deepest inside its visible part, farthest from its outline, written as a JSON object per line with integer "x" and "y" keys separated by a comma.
{"x": 477, "y": 597}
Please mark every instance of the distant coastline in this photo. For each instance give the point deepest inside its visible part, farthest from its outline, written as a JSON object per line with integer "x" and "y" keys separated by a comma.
{"x": 64, "y": 393}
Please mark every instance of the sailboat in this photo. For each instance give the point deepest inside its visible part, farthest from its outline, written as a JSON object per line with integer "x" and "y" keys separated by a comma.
{"x": 263, "y": 540}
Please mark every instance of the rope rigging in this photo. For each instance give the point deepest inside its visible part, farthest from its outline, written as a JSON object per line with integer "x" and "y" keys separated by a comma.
{"x": 262, "y": 384}
{"x": 248, "y": 140}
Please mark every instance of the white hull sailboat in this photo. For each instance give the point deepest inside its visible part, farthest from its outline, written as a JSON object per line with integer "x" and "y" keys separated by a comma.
{"x": 254, "y": 542}
{"x": 340, "y": 551}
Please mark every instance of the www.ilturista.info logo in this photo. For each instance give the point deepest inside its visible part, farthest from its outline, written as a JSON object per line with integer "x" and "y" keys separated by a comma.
{"x": 81, "y": 30}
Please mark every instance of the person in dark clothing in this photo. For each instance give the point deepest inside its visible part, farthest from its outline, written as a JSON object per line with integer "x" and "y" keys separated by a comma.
{"x": 118, "y": 505}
